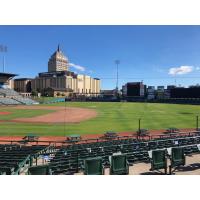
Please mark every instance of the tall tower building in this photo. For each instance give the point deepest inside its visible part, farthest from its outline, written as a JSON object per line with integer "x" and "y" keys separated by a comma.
{"x": 58, "y": 62}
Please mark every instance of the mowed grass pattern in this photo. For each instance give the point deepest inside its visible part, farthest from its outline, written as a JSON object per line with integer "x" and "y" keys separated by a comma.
{"x": 119, "y": 116}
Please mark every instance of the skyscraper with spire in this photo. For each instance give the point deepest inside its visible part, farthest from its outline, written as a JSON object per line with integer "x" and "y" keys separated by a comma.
{"x": 59, "y": 80}
{"x": 58, "y": 61}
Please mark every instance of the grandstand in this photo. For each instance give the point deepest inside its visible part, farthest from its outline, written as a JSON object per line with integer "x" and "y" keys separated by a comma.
{"x": 14, "y": 159}
{"x": 8, "y": 96}
{"x": 70, "y": 159}
{"x": 9, "y": 101}
{"x": 93, "y": 157}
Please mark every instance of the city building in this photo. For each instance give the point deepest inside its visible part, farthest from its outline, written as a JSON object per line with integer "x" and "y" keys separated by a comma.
{"x": 60, "y": 81}
{"x": 58, "y": 62}
{"x": 109, "y": 94}
{"x": 151, "y": 92}
{"x": 169, "y": 87}
{"x": 160, "y": 93}
{"x": 23, "y": 85}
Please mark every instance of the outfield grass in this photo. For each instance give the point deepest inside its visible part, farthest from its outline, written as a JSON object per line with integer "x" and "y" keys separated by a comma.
{"x": 119, "y": 116}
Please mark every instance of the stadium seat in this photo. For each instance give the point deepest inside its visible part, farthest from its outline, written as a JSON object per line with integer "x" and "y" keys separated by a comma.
{"x": 2, "y": 173}
{"x": 177, "y": 158}
{"x": 11, "y": 97}
{"x": 158, "y": 160}
{"x": 172, "y": 131}
{"x": 110, "y": 135}
{"x": 71, "y": 158}
{"x": 30, "y": 138}
{"x": 119, "y": 165}
{"x": 93, "y": 166}
{"x": 15, "y": 158}
{"x": 73, "y": 138}
{"x": 39, "y": 170}
{"x": 6, "y": 170}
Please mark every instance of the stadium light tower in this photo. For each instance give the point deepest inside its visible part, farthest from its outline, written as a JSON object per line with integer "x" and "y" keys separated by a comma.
{"x": 3, "y": 49}
{"x": 3, "y": 64}
{"x": 117, "y": 62}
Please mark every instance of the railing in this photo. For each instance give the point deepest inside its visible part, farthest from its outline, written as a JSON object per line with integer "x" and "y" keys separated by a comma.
{"x": 161, "y": 137}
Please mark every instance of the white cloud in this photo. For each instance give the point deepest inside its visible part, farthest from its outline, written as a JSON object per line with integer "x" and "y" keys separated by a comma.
{"x": 180, "y": 70}
{"x": 77, "y": 67}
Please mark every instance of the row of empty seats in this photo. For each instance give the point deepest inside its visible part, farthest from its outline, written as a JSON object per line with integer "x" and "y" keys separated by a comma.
{"x": 24, "y": 100}
{"x": 13, "y": 158}
{"x": 70, "y": 159}
{"x": 86, "y": 157}
{"x": 119, "y": 164}
{"x": 9, "y": 101}
{"x": 8, "y": 92}
{"x": 11, "y": 97}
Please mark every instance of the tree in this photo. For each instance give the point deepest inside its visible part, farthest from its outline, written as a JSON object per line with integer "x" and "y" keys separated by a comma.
{"x": 34, "y": 93}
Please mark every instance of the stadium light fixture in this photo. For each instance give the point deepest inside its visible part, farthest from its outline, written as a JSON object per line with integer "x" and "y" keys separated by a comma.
{"x": 117, "y": 62}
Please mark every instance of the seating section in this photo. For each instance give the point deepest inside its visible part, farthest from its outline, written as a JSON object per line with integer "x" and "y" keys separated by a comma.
{"x": 11, "y": 97}
{"x": 26, "y": 101}
{"x": 14, "y": 158}
{"x": 70, "y": 159}
{"x": 9, "y": 101}
{"x": 93, "y": 157}
{"x": 8, "y": 92}
{"x": 39, "y": 170}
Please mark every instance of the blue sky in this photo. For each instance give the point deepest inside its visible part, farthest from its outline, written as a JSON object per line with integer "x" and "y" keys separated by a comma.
{"x": 146, "y": 53}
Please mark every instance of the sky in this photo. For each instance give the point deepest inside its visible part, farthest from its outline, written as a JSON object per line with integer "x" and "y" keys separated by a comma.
{"x": 156, "y": 55}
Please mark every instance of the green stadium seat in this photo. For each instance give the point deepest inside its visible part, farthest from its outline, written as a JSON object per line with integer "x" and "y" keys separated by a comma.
{"x": 143, "y": 132}
{"x": 177, "y": 158}
{"x": 73, "y": 138}
{"x": 2, "y": 173}
{"x": 110, "y": 135}
{"x": 31, "y": 138}
{"x": 93, "y": 166}
{"x": 159, "y": 160}
{"x": 6, "y": 170}
{"x": 172, "y": 130}
{"x": 39, "y": 170}
{"x": 119, "y": 165}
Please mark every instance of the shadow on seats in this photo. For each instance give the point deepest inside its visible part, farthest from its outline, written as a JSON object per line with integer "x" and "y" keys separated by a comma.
{"x": 190, "y": 167}
{"x": 152, "y": 173}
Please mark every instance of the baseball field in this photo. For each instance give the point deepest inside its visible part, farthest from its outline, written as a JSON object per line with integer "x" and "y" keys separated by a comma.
{"x": 61, "y": 119}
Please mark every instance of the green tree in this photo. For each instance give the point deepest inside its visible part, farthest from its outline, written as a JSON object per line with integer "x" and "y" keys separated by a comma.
{"x": 34, "y": 93}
